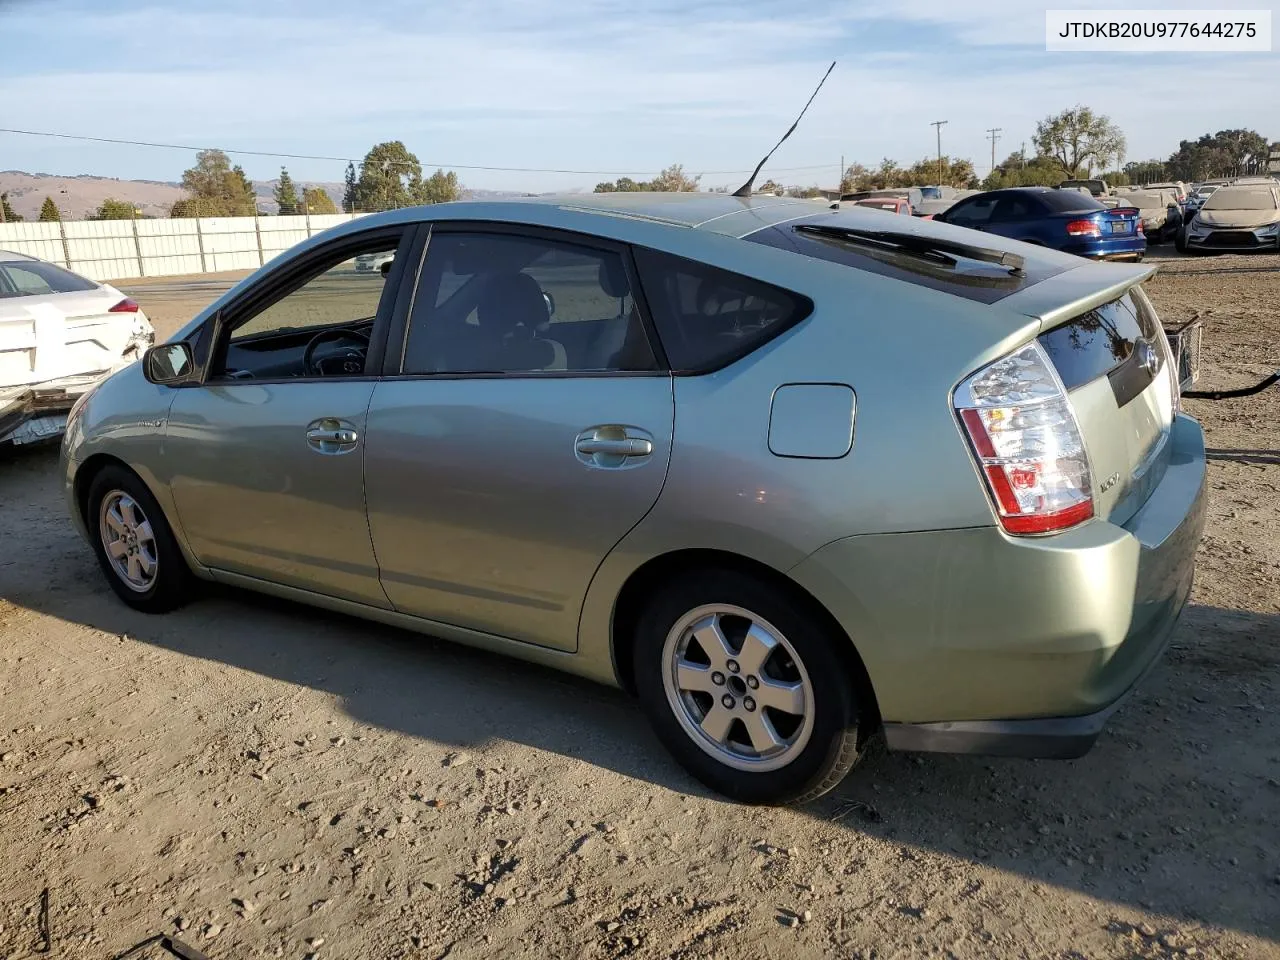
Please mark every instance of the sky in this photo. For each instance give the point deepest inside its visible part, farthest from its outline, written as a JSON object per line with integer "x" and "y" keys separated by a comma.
{"x": 600, "y": 87}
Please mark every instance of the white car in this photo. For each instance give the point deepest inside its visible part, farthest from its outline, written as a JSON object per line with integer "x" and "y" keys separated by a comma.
{"x": 60, "y": 333}
{"x": 1243, "y": 216}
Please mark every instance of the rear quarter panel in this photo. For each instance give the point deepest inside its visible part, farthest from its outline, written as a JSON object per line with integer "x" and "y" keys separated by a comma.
{"x": 900, "y": 347}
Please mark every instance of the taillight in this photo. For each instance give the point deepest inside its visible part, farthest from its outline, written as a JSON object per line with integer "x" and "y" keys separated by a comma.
{"x": 1027, "y": 443}
{"x": 1083, "y": 228}
{"x": 125, "y": 306}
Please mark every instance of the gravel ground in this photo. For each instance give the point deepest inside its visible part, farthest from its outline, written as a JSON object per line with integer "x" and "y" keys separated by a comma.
{"x": 262, "y": 779}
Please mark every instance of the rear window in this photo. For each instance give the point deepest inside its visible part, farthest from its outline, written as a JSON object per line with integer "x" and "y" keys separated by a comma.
{"x": 1097, "y": 342}
{"x": 706, "y": 317}
{"x": 1069, "y": 201}
{"x": 30, "y": 278}
{"x": 971, "y": 279}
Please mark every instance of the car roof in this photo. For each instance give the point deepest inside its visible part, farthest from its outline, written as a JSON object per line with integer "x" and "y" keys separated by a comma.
{"x": 696, "y": 210}
{"x": 10, "y": 255}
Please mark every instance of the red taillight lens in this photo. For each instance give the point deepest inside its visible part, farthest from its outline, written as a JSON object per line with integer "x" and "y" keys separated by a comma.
{"x": 1083, "y": 228}
{"x": 1027, "y": 443}
{"x": 125, "y": 306}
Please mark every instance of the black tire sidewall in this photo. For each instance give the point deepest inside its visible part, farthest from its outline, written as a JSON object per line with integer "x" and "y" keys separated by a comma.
{"x": 831, "y": 749}
{"x": 173, "y": 582}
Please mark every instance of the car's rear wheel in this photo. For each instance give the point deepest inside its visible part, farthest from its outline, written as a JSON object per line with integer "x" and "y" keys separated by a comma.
{"x": 746, "y": 688}
{"x": 134, "y": 543}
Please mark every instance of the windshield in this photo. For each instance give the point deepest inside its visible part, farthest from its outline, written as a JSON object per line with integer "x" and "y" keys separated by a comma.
{"x": 1242, "y": 198}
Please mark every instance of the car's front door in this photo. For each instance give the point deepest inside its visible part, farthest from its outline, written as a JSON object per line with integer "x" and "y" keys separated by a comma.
{"x": 1013, "y": 216}
{"x": 266, "y": 456}
{"x": 527, "y": 430}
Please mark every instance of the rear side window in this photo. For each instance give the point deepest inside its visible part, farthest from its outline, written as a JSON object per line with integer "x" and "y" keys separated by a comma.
{"x": 1070, "y": 201}
{"x": 1017, "y": 208}
{"x": 30, "y": 278}
{"x": 1097, "y": 342}
{"x": 706, "y": 317}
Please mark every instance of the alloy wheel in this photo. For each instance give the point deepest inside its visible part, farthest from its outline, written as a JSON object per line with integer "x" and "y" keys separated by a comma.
{"x": 738, "y": 687}
{"x": 128, "y": 540}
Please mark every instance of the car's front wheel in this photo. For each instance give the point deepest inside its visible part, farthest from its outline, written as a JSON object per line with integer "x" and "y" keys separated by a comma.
{"x": 746, "y": 688}
{"x": 134, "y": 543}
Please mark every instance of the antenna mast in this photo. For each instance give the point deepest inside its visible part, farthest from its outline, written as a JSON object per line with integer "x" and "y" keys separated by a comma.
{"x": 745, "y": 189}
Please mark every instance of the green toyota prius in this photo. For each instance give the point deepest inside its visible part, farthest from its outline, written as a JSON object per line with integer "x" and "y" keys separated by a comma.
{"x": 795, "y": 476}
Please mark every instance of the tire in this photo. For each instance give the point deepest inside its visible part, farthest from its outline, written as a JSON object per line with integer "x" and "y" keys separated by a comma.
{"x": 815, "y": 748}
{"x": 1180, "y": 242}
{"x": 146, "y": 537}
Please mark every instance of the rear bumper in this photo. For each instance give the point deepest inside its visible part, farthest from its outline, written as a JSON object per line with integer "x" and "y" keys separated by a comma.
{"x": 38, "y": 407}
{"x": 976, "y": 642}
{"x": 1129, "y": 248}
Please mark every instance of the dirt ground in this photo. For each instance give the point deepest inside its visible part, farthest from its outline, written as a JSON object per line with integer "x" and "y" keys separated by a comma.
{"x": 263, "y": 779}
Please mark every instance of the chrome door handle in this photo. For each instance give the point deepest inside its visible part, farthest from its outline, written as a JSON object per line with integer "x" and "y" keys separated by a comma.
{"x": 626, "y": 447}
{"x": 332, "y": 436}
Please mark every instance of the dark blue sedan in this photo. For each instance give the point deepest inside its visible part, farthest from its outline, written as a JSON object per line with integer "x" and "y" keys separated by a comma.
{"x": 1065, "y": 220}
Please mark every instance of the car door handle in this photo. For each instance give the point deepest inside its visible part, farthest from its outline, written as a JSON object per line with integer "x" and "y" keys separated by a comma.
{"x": 330, "y": 435}
{"x": 625, "y": 447}
{"x": 333, "y": 436}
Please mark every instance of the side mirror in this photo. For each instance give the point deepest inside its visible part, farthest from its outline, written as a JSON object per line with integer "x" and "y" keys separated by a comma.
{"x": 551, "y": 303}
{"x": 169, "y": 364}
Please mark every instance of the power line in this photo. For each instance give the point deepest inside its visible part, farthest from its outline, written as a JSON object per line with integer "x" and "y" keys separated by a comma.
{"x": 308, "y": 156}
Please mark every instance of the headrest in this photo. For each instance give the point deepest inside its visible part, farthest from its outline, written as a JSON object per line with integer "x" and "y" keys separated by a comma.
{"x": 613, "y": 277}
{"x": 511, "y": 300}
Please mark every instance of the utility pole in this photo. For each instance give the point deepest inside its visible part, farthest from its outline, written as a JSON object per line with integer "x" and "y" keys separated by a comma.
{"x": 994, "y": 135}
{"x": 840, "y": 179}
{"x": 937, "y": 126}
{"x": 1023, "y": 154}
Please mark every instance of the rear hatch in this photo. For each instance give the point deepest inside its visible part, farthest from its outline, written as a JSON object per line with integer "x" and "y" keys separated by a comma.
{"x": 1107, "y": 345}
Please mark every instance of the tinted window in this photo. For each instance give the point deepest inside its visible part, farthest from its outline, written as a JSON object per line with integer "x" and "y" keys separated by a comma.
{"x": 1069, "y": 201}
{"x": 1091, "y": 345}
{"x": 1017, "y": 207}
{"x": 707, "y": 317}
{"x": 971, "y": 212}
{"x": 29, "y": 278}
{"x": 501, "y": 303}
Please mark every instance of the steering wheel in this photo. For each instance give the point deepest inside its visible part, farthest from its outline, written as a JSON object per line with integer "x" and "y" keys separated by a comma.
{"x": 350, "y": 361}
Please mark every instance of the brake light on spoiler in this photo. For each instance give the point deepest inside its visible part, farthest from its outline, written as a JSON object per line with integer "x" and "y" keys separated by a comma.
{"x": 1027, "y": 443}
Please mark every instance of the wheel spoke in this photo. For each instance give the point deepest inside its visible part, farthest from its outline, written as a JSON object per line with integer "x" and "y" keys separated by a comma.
{"x": 117, "y": 548}
{"x": 713, "y": 642}
{"x": 756, "y": 647}
{"x": 694, "y": 676}
{"x": 135, "y": 568}
{"x": 145, "y": 534}
{"x": 129, "y": 511}
{"x": 147, "y": 563}
{"x": 115, "y": 519}
{"x": 787, "y": 697}
{"x": 717, "y": 722}
{"x": 763, "y": 737}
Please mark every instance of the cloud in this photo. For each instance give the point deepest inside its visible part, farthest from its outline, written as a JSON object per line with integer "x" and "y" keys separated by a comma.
{"x": 602, "y": 85}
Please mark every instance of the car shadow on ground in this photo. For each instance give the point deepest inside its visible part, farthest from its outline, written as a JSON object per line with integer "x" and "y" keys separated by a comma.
{"x": 1177, "y": 809}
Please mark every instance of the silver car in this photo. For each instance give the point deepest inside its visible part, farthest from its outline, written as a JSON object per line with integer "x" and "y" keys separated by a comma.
{"x": 796, "y": 477}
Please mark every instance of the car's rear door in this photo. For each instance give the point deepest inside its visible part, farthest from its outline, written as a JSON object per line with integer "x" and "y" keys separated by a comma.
{"x": 523, "y": 430}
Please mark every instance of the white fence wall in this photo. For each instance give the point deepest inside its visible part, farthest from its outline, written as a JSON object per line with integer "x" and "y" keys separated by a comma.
{"x": 124, "y": 249}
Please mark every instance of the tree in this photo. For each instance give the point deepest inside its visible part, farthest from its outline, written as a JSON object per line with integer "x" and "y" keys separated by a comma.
{"x": 671, "y": 180}
{"x": 1144, "y": 171}
{"x": 285, "y": 194}
{"x": 9, "y": 215}
{"x": 803, "y": 193}
{"x": 1227, "y": 153}
{"x": 349, "y": 193}
{"x": 315, "y": 200}
{"x": 854, "y": 177}
{"x": 770, "y": 186}
{"x": 1019, "y": 170}
{"x": 112, "y": 209}
{"x": 1078, "y": 139}
{"x": 217, "y": 189}
{"x": 390, "y": 178}
{"x": 49, "y": 212}
{"x": 440, "y": 187}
